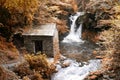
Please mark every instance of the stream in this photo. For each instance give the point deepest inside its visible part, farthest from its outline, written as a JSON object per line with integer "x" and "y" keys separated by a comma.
{"x": 77, "y": 59}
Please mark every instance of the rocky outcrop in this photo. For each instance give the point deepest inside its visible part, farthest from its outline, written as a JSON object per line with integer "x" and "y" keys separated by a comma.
{"x": 104, "y": 20}
{"x": 6, "y": 74}
{"x": 54, "y": 11}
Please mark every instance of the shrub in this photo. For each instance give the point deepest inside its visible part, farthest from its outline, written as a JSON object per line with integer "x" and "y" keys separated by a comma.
{"x": 40, "y": 64}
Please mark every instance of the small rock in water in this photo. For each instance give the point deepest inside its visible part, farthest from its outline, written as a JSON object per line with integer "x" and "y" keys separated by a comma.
{"x": 58, "y": 67}
{"x": 62, "y": 58}
{"x": 93, "y": 77}
{"x": 66, "y": 63}
{"x": 81, "y": 64}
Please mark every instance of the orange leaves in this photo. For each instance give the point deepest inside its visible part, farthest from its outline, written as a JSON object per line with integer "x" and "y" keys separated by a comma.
{"x": 89, "y": 35}
{"x": 7, "y": 50}
{"x": 40, "y": 64}
{"x": 24, "y": 4}
{"x": 6, "y": 45}
{"x": 37, "y": 60}
{"x": 74, "y": 4}
{"x": 21, "y": 11}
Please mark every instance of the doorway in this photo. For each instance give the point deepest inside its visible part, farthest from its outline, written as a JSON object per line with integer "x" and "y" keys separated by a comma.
{"x": 38, "y": 46}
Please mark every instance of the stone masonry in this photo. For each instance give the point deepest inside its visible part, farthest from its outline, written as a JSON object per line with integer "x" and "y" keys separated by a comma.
{"x": 47, "y": 34}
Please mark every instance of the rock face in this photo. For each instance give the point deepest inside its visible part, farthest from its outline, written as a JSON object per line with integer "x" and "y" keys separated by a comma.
{"x": 81, "y": 4}
{"x": 104, "y": 21}
{"x": 7, "y": 75}
{"x": 56, "y": 11}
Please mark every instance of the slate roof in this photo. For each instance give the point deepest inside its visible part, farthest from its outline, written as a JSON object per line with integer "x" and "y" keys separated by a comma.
{"x": 42, "y": 30}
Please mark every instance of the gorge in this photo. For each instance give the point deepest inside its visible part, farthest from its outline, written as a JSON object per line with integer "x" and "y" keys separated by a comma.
{"x": 88, "y": 50}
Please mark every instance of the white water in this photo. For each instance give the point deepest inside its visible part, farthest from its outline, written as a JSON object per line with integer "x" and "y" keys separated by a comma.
{"x": 74, "y": 72}
{"x": 74, "y": 35}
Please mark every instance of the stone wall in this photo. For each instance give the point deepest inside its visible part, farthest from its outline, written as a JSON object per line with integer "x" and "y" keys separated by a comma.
{"x": 56, "y": 43}
{"x": 29, "y": 42}
{"x": 50, "y": 44}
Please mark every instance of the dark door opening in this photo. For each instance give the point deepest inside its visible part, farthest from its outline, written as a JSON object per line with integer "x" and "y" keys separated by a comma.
{"x": 38, "y": 46}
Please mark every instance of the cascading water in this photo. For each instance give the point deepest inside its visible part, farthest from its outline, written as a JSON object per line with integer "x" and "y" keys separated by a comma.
{"x": 76, "y": 70}
{"x": 75, "y": 33}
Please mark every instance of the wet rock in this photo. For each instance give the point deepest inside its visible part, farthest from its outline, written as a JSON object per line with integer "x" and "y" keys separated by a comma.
{"x": 105, "y": 76}
{"x": 26, "y": 78}
{"x": 99, "y": 57}
{"x": 62, "y": 58}
{"x": 58, "y": 62}
{"x": 105, "y": 79}
{"x": 6, "y": 74}
{"x": 94, "y": 52}
{"x": 65, "y": 64}
{"x": 58, "y": 67}
{"x": 93, "y": 77}
{"x": 112, "y": 75}
{"x": 82, "y": 64}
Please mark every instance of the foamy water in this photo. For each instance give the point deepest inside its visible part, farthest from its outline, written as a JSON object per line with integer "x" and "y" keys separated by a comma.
{"x": 75, "y": 72}
{"x": 74, "y": 35}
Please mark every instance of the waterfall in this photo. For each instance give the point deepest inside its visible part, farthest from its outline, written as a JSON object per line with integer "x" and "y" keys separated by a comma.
{"x": 70, "y": 69}
{"x": 75, "y": 32}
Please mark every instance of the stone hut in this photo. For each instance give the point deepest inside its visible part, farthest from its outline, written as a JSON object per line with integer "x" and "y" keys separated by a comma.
{"x": 43, "y": 38}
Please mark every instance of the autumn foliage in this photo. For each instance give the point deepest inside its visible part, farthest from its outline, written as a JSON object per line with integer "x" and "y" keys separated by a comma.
{"x": 37, "y": 67}
{"x": 106, "y": 15}
{"x": 7, "y": 51}
{"x": 14, "y": 14}
{"x": 18, "y": 10}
